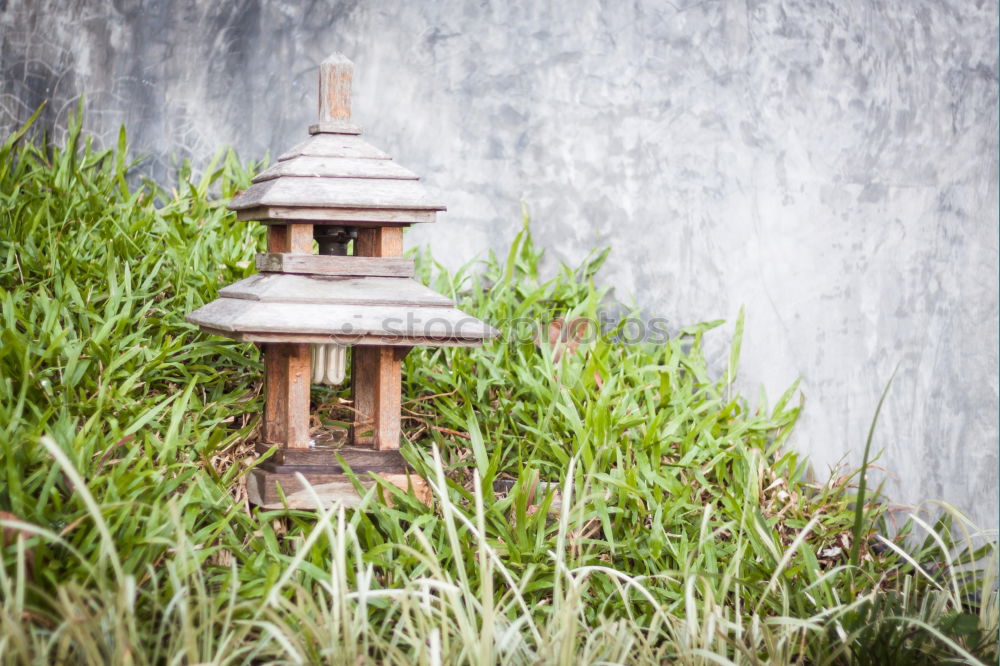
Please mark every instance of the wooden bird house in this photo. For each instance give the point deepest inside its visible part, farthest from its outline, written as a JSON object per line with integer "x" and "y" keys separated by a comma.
{"x": 307, "y": 309}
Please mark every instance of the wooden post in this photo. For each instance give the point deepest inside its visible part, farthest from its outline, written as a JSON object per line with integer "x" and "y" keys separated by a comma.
{"x": 287, "y": 372}
{"x": 376, "y": 375}
{"x": 293, "y": 238}
{"x": 286, "y": 412}
{"x": 379, "y": 242}
{"x": 335, "y": 74}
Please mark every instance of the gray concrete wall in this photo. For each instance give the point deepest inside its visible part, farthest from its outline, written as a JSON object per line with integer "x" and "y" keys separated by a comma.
{"x": 830, "y": 165}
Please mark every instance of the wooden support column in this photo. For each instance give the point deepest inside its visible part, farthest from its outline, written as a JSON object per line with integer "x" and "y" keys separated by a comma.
{"x": 291, "y": 238}
{"x": 376, "y": 372}
{"x": 376, "y": 383}
{"x": 379, "y": 242}
{"x": 287, "y": 371}
{"x": 287, "y": 379}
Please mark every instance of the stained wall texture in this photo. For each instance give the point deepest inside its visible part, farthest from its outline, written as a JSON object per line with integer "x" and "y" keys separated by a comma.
{"x": 831, "y": 165}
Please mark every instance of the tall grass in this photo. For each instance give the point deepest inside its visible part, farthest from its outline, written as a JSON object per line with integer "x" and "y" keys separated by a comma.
{"x": 683, "y": 529}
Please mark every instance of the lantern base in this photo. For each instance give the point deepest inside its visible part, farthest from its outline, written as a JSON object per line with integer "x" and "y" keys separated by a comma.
{"x": 276, "y": 483}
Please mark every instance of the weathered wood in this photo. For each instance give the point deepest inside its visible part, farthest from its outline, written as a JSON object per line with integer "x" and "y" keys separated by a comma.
{"x": 293, "y": 237}
{"x": 351, "y": 216}
{"x": 316, "y": 264}
{"x": 352, "y": 339}
{"x": 275, "y": 401}
{"x": 335, "y": 74}
{"x": 364, "y": 391}
{"x": 336, "y": 290}
{"x": 299, "y": 375}
{"x": 331, "y": 489}
{"x": 334, "y": 145}
{"x": 341, "y": 323}
{"x": 335, "y": 167}
{"x": 379, "y": 242}
{"x": 313, "y": 192}
{"x": 334, "y": 177}
{"x": 277, "y": 238}
{"x": 286, "y": 410}
{"x": 335, "y": 127}
{"x": 359, "y": 459}
{"x": 376, "y": 380}
{"x": 300, "y": 238}
{"x": 376, "y": 375}
{"x": 331, "y": 470}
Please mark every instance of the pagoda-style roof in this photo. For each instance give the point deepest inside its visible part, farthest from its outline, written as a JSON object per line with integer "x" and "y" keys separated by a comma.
{"x": 284, "y": 307}
{"x": 335, "y": 176}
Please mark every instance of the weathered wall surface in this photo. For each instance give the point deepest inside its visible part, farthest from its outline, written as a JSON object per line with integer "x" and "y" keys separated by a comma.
{"x": 832, "y": 165}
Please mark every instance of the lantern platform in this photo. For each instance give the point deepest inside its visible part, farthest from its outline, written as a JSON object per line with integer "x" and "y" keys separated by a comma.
{"x": 275, "y": 484}
{"x": 330, "y": 489}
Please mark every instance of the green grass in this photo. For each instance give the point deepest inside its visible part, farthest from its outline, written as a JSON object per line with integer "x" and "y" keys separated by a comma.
{"x": 688, "y": 532}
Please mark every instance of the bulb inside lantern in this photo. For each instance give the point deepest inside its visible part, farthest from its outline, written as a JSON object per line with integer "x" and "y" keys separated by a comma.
{"x": 329, "y": 364}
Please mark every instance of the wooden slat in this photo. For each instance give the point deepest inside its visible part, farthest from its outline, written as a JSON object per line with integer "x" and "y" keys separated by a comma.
{"x": 335, "y": 167}
{"x": 335, "y": 74}
{"x": 324, "y": 339}
{"x": 286, "y": 409}
{"x": 359, "y": 459}
{"x": 335, "y": 145}
{"x": 336, "y": 193}
{"x": 335, "y": 127}
{"x": 316, "y": 264}
{"x": 333, "y": 468}
{"x": 335, "y": 290}
{"x": 351, "y": 216}
{"x": 331, "y": 489}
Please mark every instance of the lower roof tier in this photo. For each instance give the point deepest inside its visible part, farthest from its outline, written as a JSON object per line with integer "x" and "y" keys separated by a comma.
{"x": 274, "y": 307}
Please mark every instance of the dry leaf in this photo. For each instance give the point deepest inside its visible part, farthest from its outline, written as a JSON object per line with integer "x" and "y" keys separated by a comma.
{"x": 10, "y": 536}
{"x": 563, "y": 338}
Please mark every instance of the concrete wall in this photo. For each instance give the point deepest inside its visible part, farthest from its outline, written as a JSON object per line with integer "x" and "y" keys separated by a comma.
{"x": 832, "y": 165}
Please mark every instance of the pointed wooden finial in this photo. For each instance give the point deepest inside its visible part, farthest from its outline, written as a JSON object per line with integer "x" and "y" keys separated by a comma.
{"x": 335, "y": 74}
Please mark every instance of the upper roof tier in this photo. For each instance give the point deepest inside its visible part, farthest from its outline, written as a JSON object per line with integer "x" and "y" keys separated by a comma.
{"x": 335, "y": 176}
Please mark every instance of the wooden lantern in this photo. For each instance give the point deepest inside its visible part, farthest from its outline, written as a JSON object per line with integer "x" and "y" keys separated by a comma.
{"x": 304, "y": 309}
